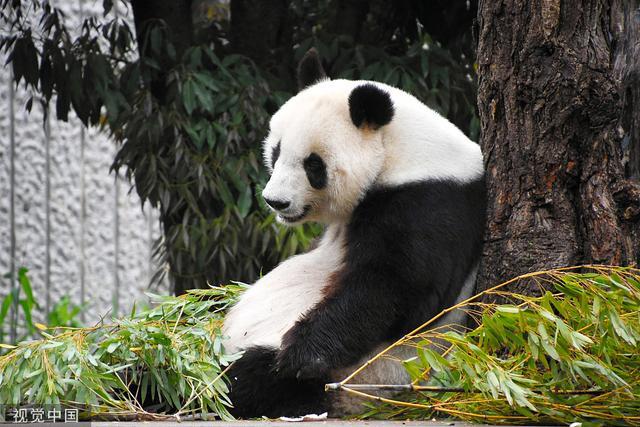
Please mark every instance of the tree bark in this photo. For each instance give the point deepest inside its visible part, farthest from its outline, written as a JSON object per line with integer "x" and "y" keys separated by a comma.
{"x": 550, "y": 109}
{"x": 627, "y": 69}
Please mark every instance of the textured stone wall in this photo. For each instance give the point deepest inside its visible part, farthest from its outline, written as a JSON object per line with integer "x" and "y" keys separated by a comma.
{"x": 75, "y": 226}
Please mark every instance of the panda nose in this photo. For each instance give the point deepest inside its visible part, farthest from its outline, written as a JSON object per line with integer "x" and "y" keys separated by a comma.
{"x": 277, "y": 204}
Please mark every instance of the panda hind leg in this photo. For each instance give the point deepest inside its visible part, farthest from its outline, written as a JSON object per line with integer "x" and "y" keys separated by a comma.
{"x": 257, "y": 390}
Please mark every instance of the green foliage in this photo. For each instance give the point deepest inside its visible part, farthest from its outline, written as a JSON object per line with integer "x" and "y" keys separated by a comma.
{"x": 171, "y": 355}
{"x": 208, "y": 128}
{"x": 64, "y": 314}
{"x": 189, "y": 121}
{"x": 570, "y": 354}
{"x": 21, "y": 298}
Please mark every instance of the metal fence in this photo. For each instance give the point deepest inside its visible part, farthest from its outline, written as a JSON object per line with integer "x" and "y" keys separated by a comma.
{"x": 76, "y": 227}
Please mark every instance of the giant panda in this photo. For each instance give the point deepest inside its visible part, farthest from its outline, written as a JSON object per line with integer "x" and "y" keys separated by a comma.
{"x": 401, "y": 193}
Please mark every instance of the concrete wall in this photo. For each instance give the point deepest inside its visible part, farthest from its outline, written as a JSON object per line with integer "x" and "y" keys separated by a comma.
{"x": 68, "y": 220}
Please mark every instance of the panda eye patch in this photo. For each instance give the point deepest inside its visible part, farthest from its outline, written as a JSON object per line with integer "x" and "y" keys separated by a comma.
{"x": 275, "y": 153}
{"x": 316, "y": 171}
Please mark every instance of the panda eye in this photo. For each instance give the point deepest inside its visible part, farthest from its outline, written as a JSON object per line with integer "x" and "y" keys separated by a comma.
{"x": 314, "y": 161}
{"x": 275, "y": 153}
{"x": 316, "y": 171}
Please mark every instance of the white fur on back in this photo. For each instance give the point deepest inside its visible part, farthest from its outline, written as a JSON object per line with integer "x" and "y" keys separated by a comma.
{"x": 275, "y": 302}
{"x": 422, "y": 145}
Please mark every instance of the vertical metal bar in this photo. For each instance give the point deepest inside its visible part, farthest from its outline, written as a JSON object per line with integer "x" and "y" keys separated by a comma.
{"x": 149, "y": 243}
{"x": 12, "y": 212}
{"x": 47, "y": 207}
{"x": 83, "y": 218}
{"x": 116, "y": 275}
{"x": 116, "y": 232}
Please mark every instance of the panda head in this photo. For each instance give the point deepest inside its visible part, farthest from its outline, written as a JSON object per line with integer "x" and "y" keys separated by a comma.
{"x": 324, "y": 147}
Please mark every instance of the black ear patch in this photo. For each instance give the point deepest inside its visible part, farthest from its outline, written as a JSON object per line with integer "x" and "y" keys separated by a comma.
{"x": 368, "y": 104}
{"x": 316, "y": 171}
{"x": 310, "y": 69}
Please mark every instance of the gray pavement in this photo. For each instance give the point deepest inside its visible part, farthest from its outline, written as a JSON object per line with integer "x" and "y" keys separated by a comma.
{"x": 328, "y": 423}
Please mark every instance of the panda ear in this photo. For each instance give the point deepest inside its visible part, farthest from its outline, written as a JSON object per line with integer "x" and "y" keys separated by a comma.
{"x": 370, "y": 105}
{"x": 310, "y": 69}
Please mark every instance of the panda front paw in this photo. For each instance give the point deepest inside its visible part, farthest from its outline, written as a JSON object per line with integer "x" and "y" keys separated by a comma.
{"x": 298, "y": 362}
{"x": 299, "y": 357}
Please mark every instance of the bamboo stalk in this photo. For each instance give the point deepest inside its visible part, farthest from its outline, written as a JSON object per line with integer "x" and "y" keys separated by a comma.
{"x": 336, "y": 387}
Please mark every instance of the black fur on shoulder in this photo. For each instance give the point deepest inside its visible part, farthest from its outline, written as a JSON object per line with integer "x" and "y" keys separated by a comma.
{"x": 368, "y": 104}
{"x": 409, "y": 250}
{"x": 310, "y": 69}
{"x": 258, "y": 390}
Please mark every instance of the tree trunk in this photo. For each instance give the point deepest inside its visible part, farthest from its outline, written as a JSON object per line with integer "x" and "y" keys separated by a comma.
{"x": 348, "y": 17}
{"x": 550, "y": 108}
{"x": 627, "y": 70}
{"x": 176, "y": 15}
{"x": 261, "y": 30}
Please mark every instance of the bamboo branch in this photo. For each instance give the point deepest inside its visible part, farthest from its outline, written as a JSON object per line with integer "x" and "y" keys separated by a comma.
{"x": 336, "y": 387}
